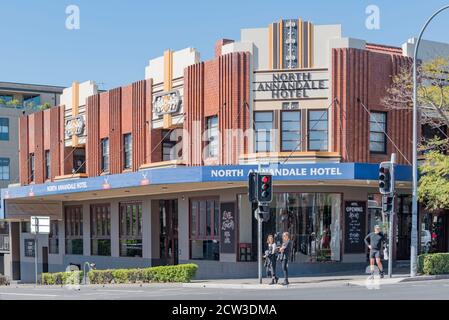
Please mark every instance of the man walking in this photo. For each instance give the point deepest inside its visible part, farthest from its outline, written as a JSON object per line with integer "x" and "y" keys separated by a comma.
{"x": 374, "y": 241}
{"x": 285, "y": 251}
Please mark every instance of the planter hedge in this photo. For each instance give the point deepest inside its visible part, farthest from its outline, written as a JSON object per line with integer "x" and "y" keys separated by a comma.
{"x": 178, "y": 273}
{"x": 433, "y": 263}
{"x": 68, "y": 277}
{"x": 3, "y": 280}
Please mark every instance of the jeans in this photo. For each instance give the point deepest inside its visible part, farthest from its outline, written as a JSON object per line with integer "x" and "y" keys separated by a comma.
{"x": 272, "y": 266}
{"x": 285, "y": 269}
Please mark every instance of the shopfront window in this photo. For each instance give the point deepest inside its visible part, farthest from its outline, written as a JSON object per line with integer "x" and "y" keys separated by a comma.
{"x": 73, "y": 230}
{"x": 317, "y": 130}
{"x": 313, "y": 221}
{"x": 100, "y": 229}
{"x": 291, "y": 131}
{"x": 53, "y": 237}
{"x": 131, "y": 229}
{"x": 263, "y": 126}
{"x": 204, "y": 229}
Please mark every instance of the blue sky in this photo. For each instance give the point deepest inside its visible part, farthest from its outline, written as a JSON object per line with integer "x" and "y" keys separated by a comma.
{"x": 117, "y": 38}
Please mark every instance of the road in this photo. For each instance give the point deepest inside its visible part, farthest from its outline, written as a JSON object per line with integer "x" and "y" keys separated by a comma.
{"x": 434, "y": 290}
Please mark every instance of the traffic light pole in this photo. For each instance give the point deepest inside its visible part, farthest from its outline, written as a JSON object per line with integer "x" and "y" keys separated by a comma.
{"x": 259, "y": 247}
{"x": 391, "y": 224}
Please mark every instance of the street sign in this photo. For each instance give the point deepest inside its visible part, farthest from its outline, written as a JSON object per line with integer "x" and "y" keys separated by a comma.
{"x": 40, "y": 225}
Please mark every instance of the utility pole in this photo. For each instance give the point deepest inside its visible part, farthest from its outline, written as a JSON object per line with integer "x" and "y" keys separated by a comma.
{"x": 391, "y": 224}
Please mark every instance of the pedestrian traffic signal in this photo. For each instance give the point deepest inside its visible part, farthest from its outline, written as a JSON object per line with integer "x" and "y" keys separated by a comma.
{"x": 387, "y": 204}
{"x": 385, "y": 178}
{"x": 264, "y": 187}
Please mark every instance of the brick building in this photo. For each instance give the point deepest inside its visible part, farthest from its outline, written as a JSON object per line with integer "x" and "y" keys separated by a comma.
{"x": 140, "y": 175}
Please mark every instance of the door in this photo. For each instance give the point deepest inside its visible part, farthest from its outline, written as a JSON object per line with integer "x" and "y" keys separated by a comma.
{"x": 168, "y": 219}
{"x": 404, "y": 228}
{"x": 44, "y": 259}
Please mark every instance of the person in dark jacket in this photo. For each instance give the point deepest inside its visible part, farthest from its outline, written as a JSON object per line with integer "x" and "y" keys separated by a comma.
{"x": 270, "y": 259}
{"x": 285, "y": 252}
{"x": 374, "y": 241}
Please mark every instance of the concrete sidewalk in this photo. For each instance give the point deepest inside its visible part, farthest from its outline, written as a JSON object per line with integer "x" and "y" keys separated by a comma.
{"x": 310, "y": 281}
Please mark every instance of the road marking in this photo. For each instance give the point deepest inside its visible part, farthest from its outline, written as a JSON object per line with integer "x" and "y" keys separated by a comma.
{"x": 29, "y": 294}
{"x": 119, "y": 290}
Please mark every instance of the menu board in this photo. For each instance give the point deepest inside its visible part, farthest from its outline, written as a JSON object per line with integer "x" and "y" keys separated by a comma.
{"x": 355, "y": 226}
{"x": 228, "y": 226}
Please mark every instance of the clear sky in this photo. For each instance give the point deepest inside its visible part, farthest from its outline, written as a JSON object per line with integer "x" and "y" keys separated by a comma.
{"x": 117, "y": 38}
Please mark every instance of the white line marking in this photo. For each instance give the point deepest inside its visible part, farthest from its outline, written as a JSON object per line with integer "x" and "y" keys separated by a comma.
{"x": 29, "y": 294}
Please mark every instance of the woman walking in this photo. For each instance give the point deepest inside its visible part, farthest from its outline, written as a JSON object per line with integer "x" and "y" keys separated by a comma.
{"x": 270, "y": 259}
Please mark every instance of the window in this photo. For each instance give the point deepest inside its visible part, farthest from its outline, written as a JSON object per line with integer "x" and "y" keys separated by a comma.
{"x": 5, "y": 99}
{"x": 29, "y": 247}
{"x": 53, "y": 237}
{"x": 100, "y": 229}
{"x": 79, "y": 160}
{"x": 291, "y": 130}
{"x": 317, "y": 130}
{"x": 32, "y": 102}
{"x": 74, "y": 230}
{"x": 204, "y": 229}
{"x": 4, "y": 169}
{"x": 168, "y": 150}
{"x": 105, "y": 155}
{"x": 131, "y": 229}
{"x": 263, "y": 125}
{"x": 47, "y": 164}
{"x": 4, "y": 129}
{"x": 26, "y": 226}
{"x": 127, "y": 150}
{"x": 377, "y": 129}
{"x": 212, "y": 136}
{"x": 31, "y": 164}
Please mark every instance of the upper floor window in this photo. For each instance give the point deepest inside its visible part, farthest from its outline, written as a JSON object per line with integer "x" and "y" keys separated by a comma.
{"x": 263, "y": 126}
{"x": 47, "y": 164}
{"x": 4, "y": 129}
{"x": 4, "y": 99}
{"x": 79, "y": 160}
{"x": 291, "y": 131}
{"x": 105, "y": 155}
{"x": 212, "y": 136}
{"x": 127, "y": 150}
{"x": 168, "y": 145}
{"x": 377, "y": 130}
{"x": 4, "y": 169}
{"x": 32, "y": 101}
{"x": 317, "y": 130}
{"x": 31, "y": 164}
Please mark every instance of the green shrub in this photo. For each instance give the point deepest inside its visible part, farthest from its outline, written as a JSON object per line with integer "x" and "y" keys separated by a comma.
{"x": 62, "y": 278}
{"x": 433, "y": 263}
{"x": 4, "y": 281}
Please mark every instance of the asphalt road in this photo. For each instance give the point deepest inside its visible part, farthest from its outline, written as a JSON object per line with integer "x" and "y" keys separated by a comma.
{"x": 423, "y": 290}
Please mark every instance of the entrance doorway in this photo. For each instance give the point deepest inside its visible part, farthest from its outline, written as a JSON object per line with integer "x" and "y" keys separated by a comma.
{"x": 404, "y": 228}
{"x": 168, "y": 234}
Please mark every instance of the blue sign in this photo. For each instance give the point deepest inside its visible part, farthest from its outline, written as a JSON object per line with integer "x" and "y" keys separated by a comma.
{"x": 283, "y": 172}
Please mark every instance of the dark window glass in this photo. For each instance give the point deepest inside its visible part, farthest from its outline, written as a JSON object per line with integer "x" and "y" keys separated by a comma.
{"x": 29, "y": 246}
{"x": 100, "y": 229}
{"x": 47, "y": 164}
{"x": 4, "y": 129}
{"x": 105, "y": 155}
{"x": 291, "y": 131}
{"x": 26, "y": 226}
{"x": 318, "y": 130}
{"x": 79, "y": 160}
{"x": 168, "y": 145}
{"x": 212, "y": 136}
{"x": 127, "y": 150}
{"x": 31, "y": 164}
{"x": 53, "y": 237}
{"x": 131, "y": 229}
{"x": 73, "y": 230}
{"x": 263, "y": 126}
{"x": 377, "y": 129}
{"x": 4, "y": 169}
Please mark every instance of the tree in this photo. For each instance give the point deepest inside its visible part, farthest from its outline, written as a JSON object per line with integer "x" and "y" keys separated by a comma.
{"x": 433, "y": 107}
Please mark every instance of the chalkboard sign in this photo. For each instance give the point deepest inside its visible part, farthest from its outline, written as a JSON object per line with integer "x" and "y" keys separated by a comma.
{"x": 228, "y": 226}
{"x": 355, "y": 230}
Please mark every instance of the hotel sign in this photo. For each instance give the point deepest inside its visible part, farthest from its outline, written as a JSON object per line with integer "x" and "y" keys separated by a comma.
{"x": 167, "y": 103}
{"x": 291, "y": 85}
{"x": 75, "y": 126}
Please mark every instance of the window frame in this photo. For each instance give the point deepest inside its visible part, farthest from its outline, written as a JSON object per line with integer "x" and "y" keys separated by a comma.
{"x": 127, "y": 151}
{"x": 309, "y": 129}
{"x": 269, "y": 133}
{"x": 104, "y": 157}
{"x": 212, "y": 139}
{"x": 97, "y": 212}
{"x": 73, "y": 226}
{"x": 385, "y": 115}
{"x": 128, "y": 232}
{"x": 32, "y": 166}
{"x": 53, "y": 236}
{"x": 300, "y": 144}
{"x": 5, "y": 163}
{"x": 4, "y": 122}
{"x": 47, "y": 159}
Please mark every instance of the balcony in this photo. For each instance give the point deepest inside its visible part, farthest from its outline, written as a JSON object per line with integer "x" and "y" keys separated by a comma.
{"x": 4, "y": 242}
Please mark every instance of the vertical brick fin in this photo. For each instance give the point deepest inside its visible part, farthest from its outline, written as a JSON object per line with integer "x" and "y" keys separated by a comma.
{"x": 93, "y": 147}
{"x": 55, "y": 142}
{"x": 39, "y": 147}
{"x": 148, "y": 105}
{"x": 115, "y": 132}
{"x": 138, "y": 123}
{"x": 23, "y": 150}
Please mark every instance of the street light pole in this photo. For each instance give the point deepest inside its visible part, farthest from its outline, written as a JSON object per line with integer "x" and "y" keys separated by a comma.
{"x": 414, "y": 237}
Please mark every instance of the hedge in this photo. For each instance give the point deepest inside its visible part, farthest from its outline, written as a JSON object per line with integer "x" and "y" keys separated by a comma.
{"x": 3, "y": 280}
{"x": 178, "y": 273}
{"x": 433, "y": 263}
{"x": 68, "y": 277}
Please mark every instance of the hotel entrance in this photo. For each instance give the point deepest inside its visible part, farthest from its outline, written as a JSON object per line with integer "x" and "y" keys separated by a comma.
{"x": 168, "y": 222}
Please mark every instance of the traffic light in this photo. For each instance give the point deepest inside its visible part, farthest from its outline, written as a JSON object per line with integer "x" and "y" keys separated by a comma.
{"x": 263, "y": 213}
{"x": 387, "y": 203}
{"x": 386, "y": 185}
{"x": 252, "y": 187}
{"x": 264, "y": 187}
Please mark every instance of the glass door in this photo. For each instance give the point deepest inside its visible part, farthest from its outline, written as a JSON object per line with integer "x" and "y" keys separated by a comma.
{"x": 168, "y": 217}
